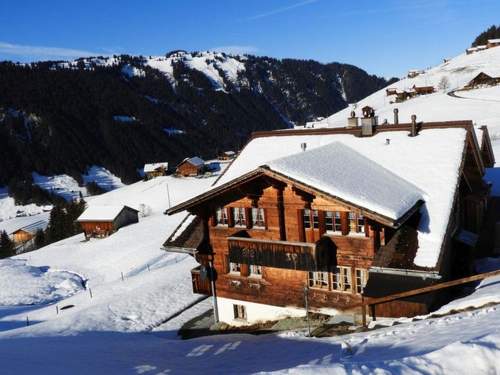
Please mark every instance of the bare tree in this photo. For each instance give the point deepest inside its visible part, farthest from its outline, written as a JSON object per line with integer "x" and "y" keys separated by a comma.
{"x": 444, "y": 83}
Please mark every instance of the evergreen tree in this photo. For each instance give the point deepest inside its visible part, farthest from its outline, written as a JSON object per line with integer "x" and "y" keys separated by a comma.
{"x": 6, "y": 246}
{"x": 39, "y": 239}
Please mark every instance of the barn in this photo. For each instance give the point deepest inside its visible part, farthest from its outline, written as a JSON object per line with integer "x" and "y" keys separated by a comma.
{"x": 102, "y": 221}
{"x": 190, "y": 167}
{"x": 153, "y": 170}
{"x": 482, "y": 79}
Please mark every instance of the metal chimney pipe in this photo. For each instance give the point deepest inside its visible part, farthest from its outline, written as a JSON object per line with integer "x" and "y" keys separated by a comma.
{"x": 413, "y": 125}
{"x": 396, "y": 116}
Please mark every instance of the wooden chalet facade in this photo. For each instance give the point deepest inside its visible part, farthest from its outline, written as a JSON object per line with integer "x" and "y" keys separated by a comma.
{"x": 482, "y": 79}
{"x": 272, "y": 237}
{"x": 190, "y": 167}
{"x": 102, "y": 221}
{"x": 153, "y": 170}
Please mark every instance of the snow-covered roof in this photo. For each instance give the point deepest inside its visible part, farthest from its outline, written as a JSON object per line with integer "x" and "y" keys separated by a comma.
{"x": 154, "y": 166}
{"x": 195, "y": 160}
{"x": 101, "y": 213}
{"x": 13, "y": 225}
{"x": 430, "y": 162}
{"x": 341, "y": 171}
{"x": 494, "y": 40}
{"x": 229, "y": 153}
{"x": 35, "y": 227}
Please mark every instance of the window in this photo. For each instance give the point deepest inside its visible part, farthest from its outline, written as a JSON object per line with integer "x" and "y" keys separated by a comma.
{"x": 332, "y": 221}
{"x": 240, "y": 312}
{"x": 361, "y": 279}
{"x": 307, "y": 218}
{"x": 342, "y": 279}
{"x": 234, "y": 267}
{"x": 258, "y": 220}
{"x": 318, "y": 280}
{"x": 240, "y": 219}
{"x": 221, "y": 215}
{"x": 356, "y": 223}
{"x": 315, "y": 219}
{"x": 255, "y": 270}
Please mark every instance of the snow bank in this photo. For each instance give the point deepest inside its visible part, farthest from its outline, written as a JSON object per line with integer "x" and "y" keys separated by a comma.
{"x": 62, "y": 185}
{"x": 40, "y": 285}
{"x": 103, "y": 178}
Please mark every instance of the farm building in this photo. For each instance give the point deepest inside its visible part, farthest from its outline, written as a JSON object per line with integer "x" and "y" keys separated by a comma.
{"x": 102, "y": 221}
{"x": 190, "y": 167}
{"x": 414, "y": 73}
{"x": 423, "y": 90}
{"x": 155, "y": 169}
{"x": 493, "y": 43}
{"x": 391, "y": 91}
{"x": 347, "y": 217}
{"x": 472, "y": 50}
{"x": 482, "y": 79}
{"x": 227, "y": 155}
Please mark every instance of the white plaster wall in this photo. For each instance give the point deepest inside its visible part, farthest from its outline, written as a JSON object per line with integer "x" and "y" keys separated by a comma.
{"x": 256, "y": 312}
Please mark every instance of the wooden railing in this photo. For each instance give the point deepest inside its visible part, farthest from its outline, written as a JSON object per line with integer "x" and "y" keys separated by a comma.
{"x": 270, "y": 253}
{"x": 372, "y": 302}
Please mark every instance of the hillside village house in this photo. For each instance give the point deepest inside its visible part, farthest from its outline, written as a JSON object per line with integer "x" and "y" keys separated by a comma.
{"x": 190, "y": 167}
{"x": 482, "y": 79}
{"x": 24, "y": 236}
{"x": 227, "y": 155}
{"x": 337, "y": 214}
{"x": 493, "y": 43}
{"x": 102, "y": 221}
{"x": 153, "y": 170}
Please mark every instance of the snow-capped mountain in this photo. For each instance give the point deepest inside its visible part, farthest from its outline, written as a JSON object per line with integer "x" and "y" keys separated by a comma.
{"x": 123, "y": 111}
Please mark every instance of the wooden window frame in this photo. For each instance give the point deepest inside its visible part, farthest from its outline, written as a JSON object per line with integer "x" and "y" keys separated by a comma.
{"x": 221, "y": 214}
{"x": 318, "y": 280}
{"x": 355, "y": 228}
{"x": 235, "y": 268}
{"x": 253, "y": 274}
{"x": 361, "y": 277}
{"x": 239, "y": 312}
{"x": 240, "y": 217}
{"x": 339, "y": 277}
{"x": 306, "y": 219}
{"x": 315, "y": 219}
{"x": 336, "y": 224}
{"x": 258, "y": 218}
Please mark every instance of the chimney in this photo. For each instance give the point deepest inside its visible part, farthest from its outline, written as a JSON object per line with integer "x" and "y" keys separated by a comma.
{"x": 413, "y": 126}
{"x": 368, "y": 122}
{"x": 396, "y": 116}
{"x": 303, "y": 146}
{"x": 352, "y": 121}
{"x": 387, "y": 141}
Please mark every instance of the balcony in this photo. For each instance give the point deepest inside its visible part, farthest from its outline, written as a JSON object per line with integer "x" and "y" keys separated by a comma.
{"x": 283, "y": 254}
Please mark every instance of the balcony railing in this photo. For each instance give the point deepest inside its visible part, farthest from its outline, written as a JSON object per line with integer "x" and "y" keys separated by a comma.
{"x": 282, "y": 254}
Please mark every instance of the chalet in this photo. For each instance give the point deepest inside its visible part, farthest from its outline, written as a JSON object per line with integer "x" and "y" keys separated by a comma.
{"x": 472, "y": 50}
{"x": 493, "y": 43}
{"x": 334, "y": 216}
{"x": 102, "y": 221}
{"x": 190, "y": 167}
{"x": 227, "y": 155}
{"x": 391, "y": 91}
{"x": 423, "y": 90}
{"x": 482, "y": 79}
{"x": 155, "y": 169}
{"x": 414, "y": 73}
{"x": 24, "y": 230}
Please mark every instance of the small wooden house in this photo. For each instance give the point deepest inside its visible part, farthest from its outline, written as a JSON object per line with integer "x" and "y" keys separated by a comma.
{"x": 470, "y": 51}
{"x": 190, "y": 167}
{"x": 391, "y": 91}
{"x": 102, "y": 221}
{"x": 493, "y": 43}
{"x": 414, "y": 73}
{"x": 423, "y": 90}
{"x": 153, "y": 170}
{"x": 227, "y": 155}
{"x": 482, "y": 79}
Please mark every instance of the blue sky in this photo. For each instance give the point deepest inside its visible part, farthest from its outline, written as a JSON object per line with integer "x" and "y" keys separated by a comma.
{"x": 384, "y": 37}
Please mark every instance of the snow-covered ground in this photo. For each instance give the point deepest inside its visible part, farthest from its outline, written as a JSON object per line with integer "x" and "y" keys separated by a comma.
{"x": 62, "y": 185}
{"x": 102, "y": 177}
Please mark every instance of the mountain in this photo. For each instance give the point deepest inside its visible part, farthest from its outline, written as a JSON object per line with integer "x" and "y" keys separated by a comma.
{"x": 123, "y": 111}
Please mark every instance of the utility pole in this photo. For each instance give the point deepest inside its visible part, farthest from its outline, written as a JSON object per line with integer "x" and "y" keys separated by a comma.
{"x": 168, "y": 195}
{"x": 306, "y": 293}
{"x": 211, "y": 275}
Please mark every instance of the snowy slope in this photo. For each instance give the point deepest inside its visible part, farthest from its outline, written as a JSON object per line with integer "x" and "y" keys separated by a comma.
{"x": 480, "y": 105}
